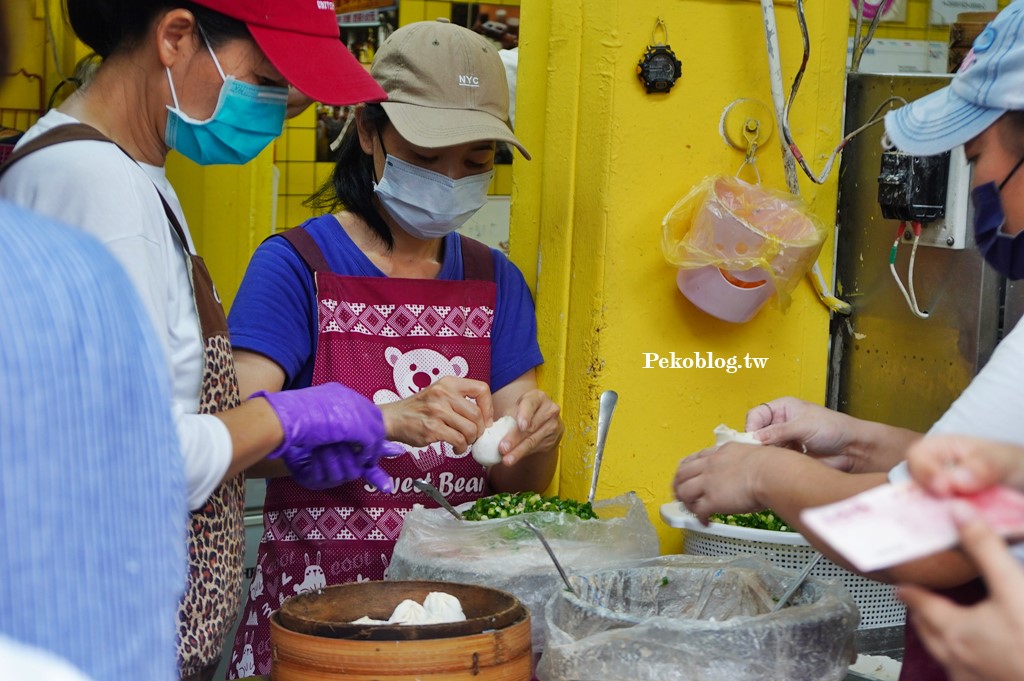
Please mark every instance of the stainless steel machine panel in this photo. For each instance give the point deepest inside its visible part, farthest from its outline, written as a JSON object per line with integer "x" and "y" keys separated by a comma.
{"x": 886, "y": 364}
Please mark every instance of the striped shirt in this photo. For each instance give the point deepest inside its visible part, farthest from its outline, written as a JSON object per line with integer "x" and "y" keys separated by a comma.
{"x": 92, "y": 492}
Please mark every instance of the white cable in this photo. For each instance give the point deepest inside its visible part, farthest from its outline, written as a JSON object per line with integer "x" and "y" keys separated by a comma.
{"x": 910, "y": 279}
{"x": 911, "y": 297}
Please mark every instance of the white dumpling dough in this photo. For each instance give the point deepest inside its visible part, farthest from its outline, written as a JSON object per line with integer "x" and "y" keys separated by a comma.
{"x": 408, "y": 612}
{"x": 724, "y": 434}
{"x": 442, "y": 607}
{"x": 485, "y": 449}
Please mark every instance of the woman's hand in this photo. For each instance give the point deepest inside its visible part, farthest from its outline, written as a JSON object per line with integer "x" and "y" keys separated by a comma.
{"x": 980, "y": 642}
{"x": 534, "y": 440}
{"x": 452, "y": 410}
{"x": 956, "y": 464}
{"x": 838, "y": 440}
{"x": 806, "y": 427}
{"x": 721, "y": 480}
{"x": 538, "y": 427}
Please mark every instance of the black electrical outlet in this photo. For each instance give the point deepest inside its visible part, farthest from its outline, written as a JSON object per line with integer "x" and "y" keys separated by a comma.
{"x": 913, "y": 188}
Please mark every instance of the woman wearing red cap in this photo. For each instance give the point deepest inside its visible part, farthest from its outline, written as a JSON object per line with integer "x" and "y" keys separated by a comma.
{"x": 208, "y": 78}
{"x": 384, "y": 295}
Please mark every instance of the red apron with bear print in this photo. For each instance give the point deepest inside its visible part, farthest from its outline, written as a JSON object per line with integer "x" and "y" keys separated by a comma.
{"x": 387, "y": 339}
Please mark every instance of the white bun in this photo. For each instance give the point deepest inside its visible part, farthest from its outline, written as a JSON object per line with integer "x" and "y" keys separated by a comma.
{"x": 485, "y": 449}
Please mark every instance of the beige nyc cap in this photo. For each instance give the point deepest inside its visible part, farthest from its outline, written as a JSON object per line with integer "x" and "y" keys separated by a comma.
{"x": 445, "y": 84}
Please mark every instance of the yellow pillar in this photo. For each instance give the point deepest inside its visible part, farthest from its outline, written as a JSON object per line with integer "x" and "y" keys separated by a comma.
{"x": 609, "y": 161}
{"x": 228, "y": 209}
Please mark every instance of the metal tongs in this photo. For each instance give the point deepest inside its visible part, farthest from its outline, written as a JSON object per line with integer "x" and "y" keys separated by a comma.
{"x": 781, "y": 603}
{"x": 551, "y": 554}
{"x": 435, "y": 494}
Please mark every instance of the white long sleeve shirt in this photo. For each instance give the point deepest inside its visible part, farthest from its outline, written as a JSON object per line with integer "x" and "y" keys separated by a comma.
{"x": 94, "y": 186}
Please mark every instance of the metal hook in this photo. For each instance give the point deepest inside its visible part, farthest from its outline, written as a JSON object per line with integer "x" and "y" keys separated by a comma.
{"x": 751, "y": 130}
{"x": 664, "y": 29}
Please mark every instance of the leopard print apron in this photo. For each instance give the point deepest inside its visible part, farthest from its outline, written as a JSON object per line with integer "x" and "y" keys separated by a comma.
{"x": 216, "y": 539}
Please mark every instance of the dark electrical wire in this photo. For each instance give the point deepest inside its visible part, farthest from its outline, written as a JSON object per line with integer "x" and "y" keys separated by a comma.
{"x": 787, "y": 134}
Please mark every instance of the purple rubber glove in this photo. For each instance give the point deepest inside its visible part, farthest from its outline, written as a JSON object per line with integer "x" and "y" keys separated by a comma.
{"x": 330, "y": 465}
{"x": 332, "y": 435}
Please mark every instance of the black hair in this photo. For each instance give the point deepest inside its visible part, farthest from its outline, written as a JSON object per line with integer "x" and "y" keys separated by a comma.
{"x": 113, "y": 26}
{"x": 351, "y": 184}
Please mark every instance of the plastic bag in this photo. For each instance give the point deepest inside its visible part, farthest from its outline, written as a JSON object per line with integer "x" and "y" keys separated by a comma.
{"x": 504, "y": 554}
{"x": 691, "y": 618}
{"x": 751, "y": 233}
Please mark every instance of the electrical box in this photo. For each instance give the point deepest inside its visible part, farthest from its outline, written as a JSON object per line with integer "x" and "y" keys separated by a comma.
{"x": 913, "y": 188}
{"x": 951, "y": 230}
{"x": 932, "y": 190}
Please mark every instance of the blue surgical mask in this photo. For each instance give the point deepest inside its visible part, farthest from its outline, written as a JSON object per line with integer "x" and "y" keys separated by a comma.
{"x": 247, "y": 118}
{"x": 1003, "y": 252}
{"x": 426, "y": 204}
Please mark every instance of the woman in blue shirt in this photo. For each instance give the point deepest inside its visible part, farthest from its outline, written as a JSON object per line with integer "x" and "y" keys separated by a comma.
{"x": 383, "y": 296}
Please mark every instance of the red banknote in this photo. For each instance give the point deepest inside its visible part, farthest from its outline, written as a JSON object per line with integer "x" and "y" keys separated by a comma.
{"x": 899, "y": 522}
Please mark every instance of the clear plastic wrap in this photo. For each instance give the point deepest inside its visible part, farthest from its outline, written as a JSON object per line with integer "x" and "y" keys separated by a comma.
{"x": 750, "y": 233}
{"x": 504, "y": 554}
{"x": 686, "y": 618}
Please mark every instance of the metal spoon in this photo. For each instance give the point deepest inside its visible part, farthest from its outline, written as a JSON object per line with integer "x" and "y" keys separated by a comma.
{"x": 547, "y": 547}
{"x": 609, "y": 398}
{"x": 781, "y": 603}
{"x": 435, "y": 494}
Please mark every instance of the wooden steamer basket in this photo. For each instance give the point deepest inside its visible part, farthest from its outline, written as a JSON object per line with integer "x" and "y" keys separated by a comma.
{"x": 312, "y": 637}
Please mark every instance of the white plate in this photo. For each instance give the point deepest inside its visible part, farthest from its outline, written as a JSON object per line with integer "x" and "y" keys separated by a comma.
{"x": 675, "y": 515}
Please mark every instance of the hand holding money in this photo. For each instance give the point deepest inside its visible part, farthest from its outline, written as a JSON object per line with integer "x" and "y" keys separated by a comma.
{"x": 899, "y": 522}
{"x": 983, "y": 640}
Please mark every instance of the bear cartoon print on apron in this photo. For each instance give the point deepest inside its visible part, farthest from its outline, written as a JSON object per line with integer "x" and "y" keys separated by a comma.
{"x": 387, "y": 339}
{"x": 216, "y": 539}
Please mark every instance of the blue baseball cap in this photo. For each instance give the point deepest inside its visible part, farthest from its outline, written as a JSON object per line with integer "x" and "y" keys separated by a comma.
{"x": 990, "y": 82}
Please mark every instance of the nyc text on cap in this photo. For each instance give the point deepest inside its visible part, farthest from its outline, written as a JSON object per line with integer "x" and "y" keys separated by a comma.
{"x": 446, "y": 85}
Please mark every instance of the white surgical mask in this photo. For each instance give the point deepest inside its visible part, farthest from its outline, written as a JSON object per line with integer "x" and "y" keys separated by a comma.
{"x": 426, "y": 204}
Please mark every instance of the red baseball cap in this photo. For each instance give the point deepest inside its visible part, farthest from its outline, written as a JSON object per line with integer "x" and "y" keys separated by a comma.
{"x": 301, "y": 39}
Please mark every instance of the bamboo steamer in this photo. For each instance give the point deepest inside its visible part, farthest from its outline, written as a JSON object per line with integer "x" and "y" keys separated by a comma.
{"x": 501, "y": 653}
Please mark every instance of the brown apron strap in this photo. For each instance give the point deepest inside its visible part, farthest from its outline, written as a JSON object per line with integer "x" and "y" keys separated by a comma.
{"x": 303, "y": 242}
{"x": 80, "y": 132}
{"x": 175, "y": 224}
{"x": 72, "y": 132}
{"x": 477, "y": 260}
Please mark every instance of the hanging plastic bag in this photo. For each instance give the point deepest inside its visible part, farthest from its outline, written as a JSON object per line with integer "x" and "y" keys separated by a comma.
{"x": 736, "y": 244}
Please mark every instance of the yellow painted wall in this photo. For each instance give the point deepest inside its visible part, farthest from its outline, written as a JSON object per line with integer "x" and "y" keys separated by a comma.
{"x": 24, "y": 95}
{"x": 609, "y": 162}
{"x": 228, "y": 209}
